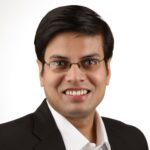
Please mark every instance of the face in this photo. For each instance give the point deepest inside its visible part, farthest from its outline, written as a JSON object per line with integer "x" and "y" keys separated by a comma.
{"x": 74, "y": 93}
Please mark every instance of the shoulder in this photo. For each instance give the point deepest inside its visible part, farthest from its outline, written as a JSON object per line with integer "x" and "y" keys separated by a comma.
{"x": 125, "y": 133}
{"x": 23, "y": 123}
{"x": 118, "y": 126}
{"x": 19, "y": 130}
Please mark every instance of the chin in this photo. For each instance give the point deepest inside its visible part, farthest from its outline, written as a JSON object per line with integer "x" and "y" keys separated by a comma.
{"x": 78, "y": 113}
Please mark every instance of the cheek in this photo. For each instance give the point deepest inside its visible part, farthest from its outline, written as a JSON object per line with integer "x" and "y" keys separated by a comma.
{"x": 98, "y": 78}
{"x": 52, "y": 81}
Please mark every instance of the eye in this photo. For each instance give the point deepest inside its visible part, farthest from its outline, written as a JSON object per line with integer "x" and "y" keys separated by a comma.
{"x": 58, "y": 64}
{"x": 90, "y": 62}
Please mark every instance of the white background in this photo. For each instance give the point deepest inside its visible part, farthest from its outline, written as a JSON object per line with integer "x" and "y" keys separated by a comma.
{"x": 128, "y": 95}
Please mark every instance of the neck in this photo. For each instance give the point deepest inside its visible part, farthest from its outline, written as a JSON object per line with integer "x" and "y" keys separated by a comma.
{"x": 86, "y": 125}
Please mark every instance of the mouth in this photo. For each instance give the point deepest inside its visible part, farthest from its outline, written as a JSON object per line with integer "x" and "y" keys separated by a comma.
{"x": 76, "y": 92}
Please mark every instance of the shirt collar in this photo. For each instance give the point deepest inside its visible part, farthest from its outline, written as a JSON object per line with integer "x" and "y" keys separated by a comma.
{"x": 101, "y": 132}
{"x": 72, "y": 138}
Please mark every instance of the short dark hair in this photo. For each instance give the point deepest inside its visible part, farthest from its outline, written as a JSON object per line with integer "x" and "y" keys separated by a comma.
{"x": 72, "y": 18}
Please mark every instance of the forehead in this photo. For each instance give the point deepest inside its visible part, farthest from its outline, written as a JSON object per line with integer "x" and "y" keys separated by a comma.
{"x": 74, "y": 45}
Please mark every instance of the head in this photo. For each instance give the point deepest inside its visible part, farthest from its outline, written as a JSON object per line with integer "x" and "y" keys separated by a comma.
{"x": 73, "y": 34}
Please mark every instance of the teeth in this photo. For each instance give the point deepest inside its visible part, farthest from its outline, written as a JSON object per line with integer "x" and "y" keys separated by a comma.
{"x": 77, "y": 92}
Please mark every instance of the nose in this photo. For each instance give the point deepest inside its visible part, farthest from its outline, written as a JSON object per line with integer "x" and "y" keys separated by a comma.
{"x": 75, "y": 74}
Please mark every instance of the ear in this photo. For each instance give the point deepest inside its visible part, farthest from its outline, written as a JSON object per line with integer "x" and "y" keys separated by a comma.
{"x": 40, "y": 66}
{"x": 108, "y": 71}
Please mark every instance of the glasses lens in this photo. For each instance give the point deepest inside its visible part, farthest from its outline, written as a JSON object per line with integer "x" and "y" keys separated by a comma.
{"x": 90, "y": 64}
{"x": 59, "y": 65}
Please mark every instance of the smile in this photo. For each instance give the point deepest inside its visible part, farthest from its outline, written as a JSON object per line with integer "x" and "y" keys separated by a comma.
{"x": 76, "y": 92}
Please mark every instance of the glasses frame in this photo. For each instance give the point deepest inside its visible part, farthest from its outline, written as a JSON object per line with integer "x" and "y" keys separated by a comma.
{"x": 79, "y": 64}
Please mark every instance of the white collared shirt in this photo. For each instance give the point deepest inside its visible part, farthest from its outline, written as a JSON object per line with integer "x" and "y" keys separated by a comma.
{"x": 74, "y": 139}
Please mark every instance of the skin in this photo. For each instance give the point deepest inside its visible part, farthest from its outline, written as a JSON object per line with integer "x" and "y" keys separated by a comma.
{"x": 79, "y": 110}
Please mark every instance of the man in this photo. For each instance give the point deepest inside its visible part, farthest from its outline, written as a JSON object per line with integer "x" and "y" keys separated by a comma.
{"x": 74, "y": 47}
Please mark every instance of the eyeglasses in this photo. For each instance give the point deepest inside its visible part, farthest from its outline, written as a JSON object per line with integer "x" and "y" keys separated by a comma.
{"x": 86, "y": 65}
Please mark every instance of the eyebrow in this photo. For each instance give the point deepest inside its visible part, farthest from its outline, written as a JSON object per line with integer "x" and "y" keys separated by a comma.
{"x": 64, "y": 57}
{"x": 58, "y": 56}
{"x": 91, "y": 55}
